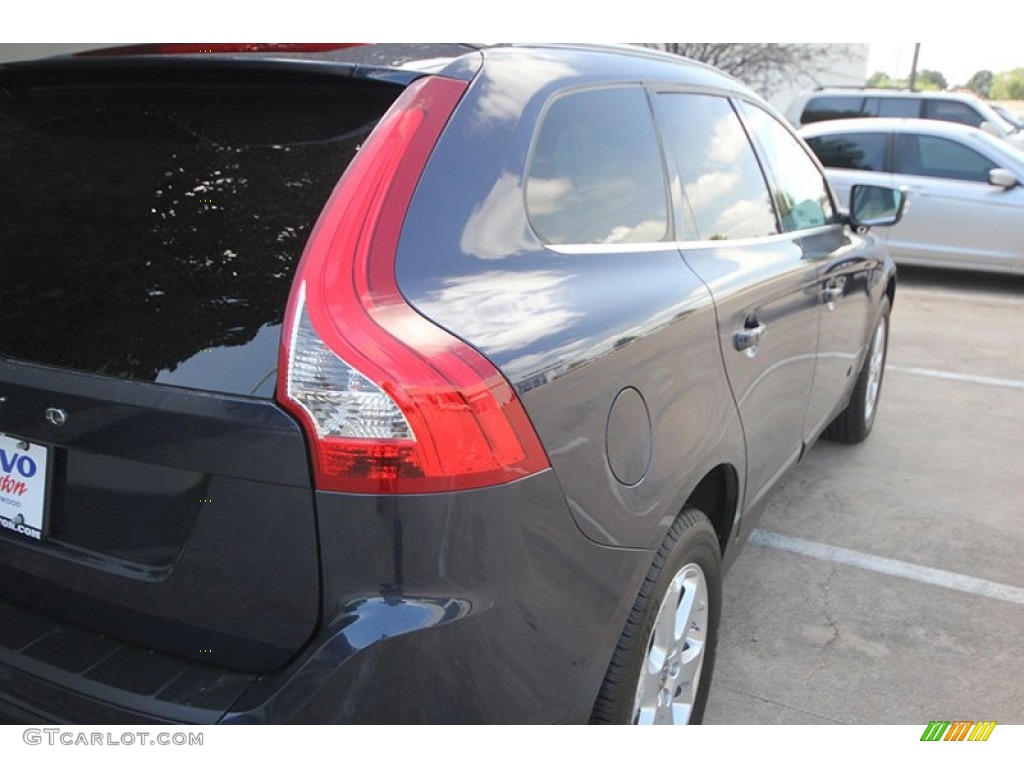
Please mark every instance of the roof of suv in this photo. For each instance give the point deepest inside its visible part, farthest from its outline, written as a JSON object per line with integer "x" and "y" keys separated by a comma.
{"x": 399, "y": 63}
{"x": 416, "y": 56}
{"x": 892, "y": 92}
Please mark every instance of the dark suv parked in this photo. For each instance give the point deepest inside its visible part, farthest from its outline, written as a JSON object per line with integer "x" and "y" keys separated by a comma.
{"x": 403, "y": 383}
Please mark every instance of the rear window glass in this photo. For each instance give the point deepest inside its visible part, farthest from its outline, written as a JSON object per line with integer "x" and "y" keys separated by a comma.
{"x": 596, "y": 174}
{"x": 152, "y": 233}
{"x": 832, "y": 108}
{"x": 952, "y": 112}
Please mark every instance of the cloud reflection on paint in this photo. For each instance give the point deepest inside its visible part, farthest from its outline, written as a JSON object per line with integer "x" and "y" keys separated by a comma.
{"x": 510, "y": 84}
{"x": 506, "y": 310}
{"x": 497, "y": 227}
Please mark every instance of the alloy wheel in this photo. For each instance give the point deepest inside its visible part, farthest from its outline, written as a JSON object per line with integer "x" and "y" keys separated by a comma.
{"x": 670, "y": 675}
{"x": 875, "y": 371}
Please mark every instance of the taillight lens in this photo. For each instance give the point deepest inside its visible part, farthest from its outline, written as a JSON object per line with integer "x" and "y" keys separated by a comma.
{"x": 391, "y": 402}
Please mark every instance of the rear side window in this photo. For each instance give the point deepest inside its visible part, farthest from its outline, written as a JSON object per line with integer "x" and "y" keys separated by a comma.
{"x": 798, "y": 188}
{"x": 933, "y": 156}
{"x": 952, "y": 112}
{"x": 899, "y": 107}
{"x": 853, "y": 151}
{"x": 151, "y": 231}
{"x": 596, "y": 173}
{"x": 724, "y": 188}
{"x": 832, "y": 108}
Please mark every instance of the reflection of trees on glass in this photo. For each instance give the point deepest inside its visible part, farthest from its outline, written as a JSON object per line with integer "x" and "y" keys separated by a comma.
{"x": 859, "y": 152}
{"x": 140, "y": 229}
{"x": 850, "y": 155}
{"x": 838, "y": 153}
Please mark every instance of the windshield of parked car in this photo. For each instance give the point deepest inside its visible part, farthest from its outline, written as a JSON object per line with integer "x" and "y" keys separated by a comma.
{"x": 1007, "y": 115}
{"x": 1005, "y": 154}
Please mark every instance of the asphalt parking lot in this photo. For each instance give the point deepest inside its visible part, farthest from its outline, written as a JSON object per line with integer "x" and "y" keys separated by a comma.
{"x": 884, "y": 584}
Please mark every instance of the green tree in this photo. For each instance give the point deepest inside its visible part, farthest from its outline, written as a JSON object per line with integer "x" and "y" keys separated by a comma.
{"x": 1008, "y": 85}
{"x": 981, "y": 82}
{"x": 880, "y": 80}
{"x": 930, "y": 80}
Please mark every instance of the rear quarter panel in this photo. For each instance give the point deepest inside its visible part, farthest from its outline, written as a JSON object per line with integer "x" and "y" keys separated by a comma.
{"x": 570, "y": 327}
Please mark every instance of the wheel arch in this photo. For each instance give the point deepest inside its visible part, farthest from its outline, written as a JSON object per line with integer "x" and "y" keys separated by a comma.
{"x": 890, "y": 289}
{"x": 717, "y": 496}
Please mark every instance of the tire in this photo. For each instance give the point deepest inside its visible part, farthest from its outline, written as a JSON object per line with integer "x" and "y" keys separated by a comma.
{"x": 655, "y": 676}
{"x": 854, "y": 424}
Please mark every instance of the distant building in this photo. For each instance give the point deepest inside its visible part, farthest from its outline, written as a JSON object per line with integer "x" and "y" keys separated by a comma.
{"x": 849, "y": 67}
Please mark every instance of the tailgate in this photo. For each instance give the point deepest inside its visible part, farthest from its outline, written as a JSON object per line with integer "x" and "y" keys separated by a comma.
{"x": 174, "y": 519}
{"x": 152, "y": 215}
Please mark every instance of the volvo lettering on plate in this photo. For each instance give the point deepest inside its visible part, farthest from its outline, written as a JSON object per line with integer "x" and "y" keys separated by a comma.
{"x": 22, "y": 487}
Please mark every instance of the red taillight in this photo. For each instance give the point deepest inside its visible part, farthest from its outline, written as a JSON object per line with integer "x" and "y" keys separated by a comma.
{"x": 391, "y": 402}
{"x": 151, "y": 49}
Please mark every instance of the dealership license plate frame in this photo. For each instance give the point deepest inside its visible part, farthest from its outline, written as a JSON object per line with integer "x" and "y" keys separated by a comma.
{"x": 40, "y": 484}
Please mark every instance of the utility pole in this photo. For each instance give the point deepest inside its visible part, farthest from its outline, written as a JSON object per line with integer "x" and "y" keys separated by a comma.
{"x": 913, "y": 66}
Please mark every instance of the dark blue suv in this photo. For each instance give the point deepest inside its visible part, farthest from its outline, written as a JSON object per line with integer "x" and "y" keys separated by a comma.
{"x": 403, "y": 383}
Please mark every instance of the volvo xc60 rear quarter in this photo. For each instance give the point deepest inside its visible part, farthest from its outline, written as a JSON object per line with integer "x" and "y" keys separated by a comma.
{"x": 482, "y": 456}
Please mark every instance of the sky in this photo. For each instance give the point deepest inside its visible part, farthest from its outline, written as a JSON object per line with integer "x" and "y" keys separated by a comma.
{"x": 956, "y": 61}
{"x": 983, "y": 45}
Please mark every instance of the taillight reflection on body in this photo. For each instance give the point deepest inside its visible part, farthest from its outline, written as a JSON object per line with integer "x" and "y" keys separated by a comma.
{"x": 391, "y": 402}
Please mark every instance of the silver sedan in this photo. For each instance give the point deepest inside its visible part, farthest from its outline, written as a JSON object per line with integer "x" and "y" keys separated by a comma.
{"x": 965, "y": 202}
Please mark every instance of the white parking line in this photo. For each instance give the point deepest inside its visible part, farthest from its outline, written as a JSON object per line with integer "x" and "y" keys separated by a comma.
{"x": 921, "y": 573}
{"x": 989, "y": 380}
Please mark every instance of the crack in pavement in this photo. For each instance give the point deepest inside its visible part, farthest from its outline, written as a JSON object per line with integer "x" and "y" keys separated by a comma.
{"x": 826, "y": 612}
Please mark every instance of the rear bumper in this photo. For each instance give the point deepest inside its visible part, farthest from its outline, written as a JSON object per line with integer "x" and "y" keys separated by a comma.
{"x": 52, "y": 671}
{"x": 478, "y": 606}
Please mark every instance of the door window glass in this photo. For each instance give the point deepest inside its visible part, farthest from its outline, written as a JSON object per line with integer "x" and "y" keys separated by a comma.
{"x": 854, "y": 151}
{"x": 799, "y": 190}
{"x": 933, "y": 156}
{"x": 723, "y": 185}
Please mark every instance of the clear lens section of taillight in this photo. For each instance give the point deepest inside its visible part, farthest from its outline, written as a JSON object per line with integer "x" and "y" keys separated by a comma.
{"x": 340, "y": 401}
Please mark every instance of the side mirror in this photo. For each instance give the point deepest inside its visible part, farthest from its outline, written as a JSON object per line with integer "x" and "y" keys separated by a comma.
{"x": 1000, "y": 177}
{"x": 872, "y": 206}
